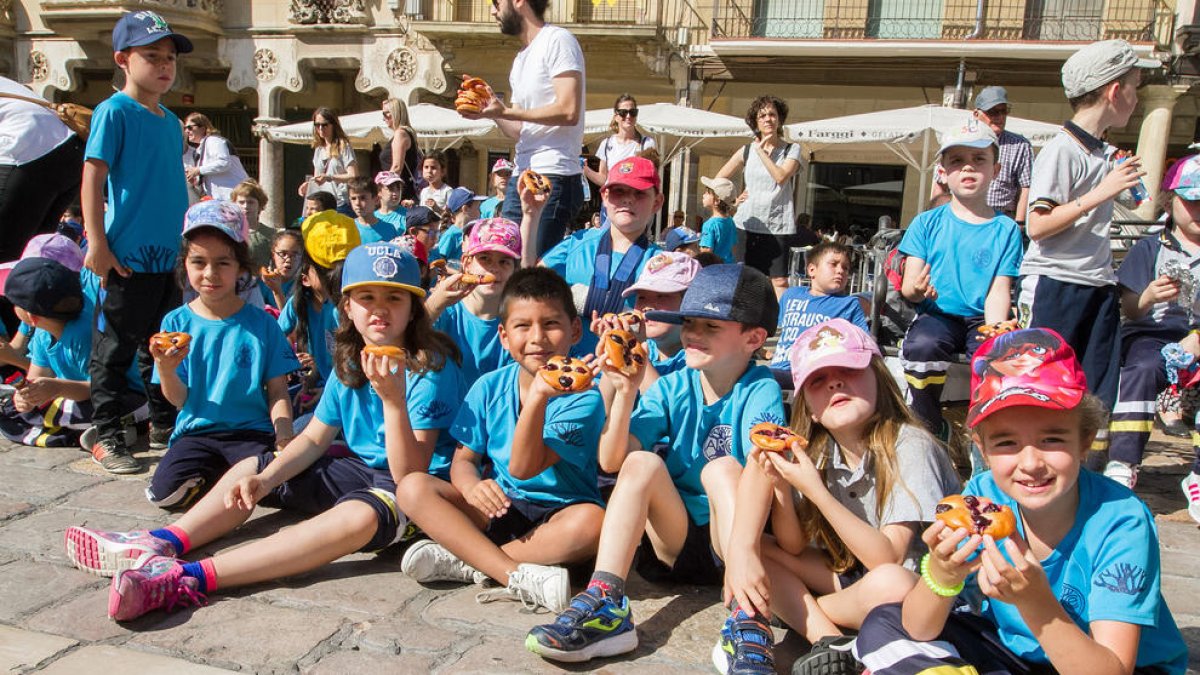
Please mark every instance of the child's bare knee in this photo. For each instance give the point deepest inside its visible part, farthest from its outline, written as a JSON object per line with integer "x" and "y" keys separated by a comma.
{"x": 888, "y": 583}
{"x": 722, "y": 469}
{"x": 414, "y": 490}
{"x": 641, "y": 465}
{"x": 357, "y": 517}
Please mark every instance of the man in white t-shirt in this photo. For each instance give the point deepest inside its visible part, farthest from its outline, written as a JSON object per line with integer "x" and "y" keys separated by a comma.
{"x": 546, "y": 114}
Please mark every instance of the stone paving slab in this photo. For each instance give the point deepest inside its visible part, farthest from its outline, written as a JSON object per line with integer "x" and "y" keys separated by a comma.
{"x": 108, "y": 658}
{"x": 22, "y": 649}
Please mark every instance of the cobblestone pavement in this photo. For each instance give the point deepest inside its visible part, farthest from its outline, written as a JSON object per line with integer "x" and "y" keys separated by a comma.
{"x": 361, "y": 614}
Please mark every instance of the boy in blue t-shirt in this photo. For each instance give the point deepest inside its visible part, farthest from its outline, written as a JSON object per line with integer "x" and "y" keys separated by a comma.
{"x": 364, "y": 198}
{"x": 463, "y": 207}
{"x": 601, "y": 263}
{"x": 470, "y": 314}
{"x": 391, "y": 195}
{"x": 825, "y": 298}
{"x": 675, "y": 513}
{"x": 539, "y": 502}
{"x": 962, "y": 259}
{"x": 1076, "y": 588}
{"x": 51, "y": 406}
{"x": 718, "y": 233}
{"x": 133, "y": 152}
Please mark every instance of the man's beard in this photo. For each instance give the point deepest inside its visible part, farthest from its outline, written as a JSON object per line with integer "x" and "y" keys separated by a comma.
{"x": 510, "y": 22}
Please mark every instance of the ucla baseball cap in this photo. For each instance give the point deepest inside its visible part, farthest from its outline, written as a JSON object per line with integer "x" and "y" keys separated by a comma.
{"x": 1031, "y": 367}
{"x": 1098, "y": 64}
{"x": 833, "y": 343}
{"x": 972, "y": 134}
{"x": 136, "y": 29}
{"x": 328, "y": 237}
{"x": 493, "y": 234}
{"x": 1183, "y": 178}
{"x": 46, "y": 288}
{"x": 503, "y": 165}
{"x": 218, "y": 214}
{"x": 990, "y": 97}
{"x": 382, "y": 263}
{"x": 680, "y": 236}
{"x": 665, "y": 273}
{"x": 459, "y": 197}
{"x": 638, "y": 173}
{"x": 730, "y": 292}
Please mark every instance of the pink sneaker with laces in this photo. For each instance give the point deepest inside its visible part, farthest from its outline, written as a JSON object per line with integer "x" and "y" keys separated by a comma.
{"x": 155, "y": 582}
{"x": 106, "y": 553}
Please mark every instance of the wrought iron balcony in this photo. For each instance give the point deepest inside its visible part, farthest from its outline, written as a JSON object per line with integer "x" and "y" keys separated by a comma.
{"x": 1144, "y": 21}
{"x": 677, "y": 21}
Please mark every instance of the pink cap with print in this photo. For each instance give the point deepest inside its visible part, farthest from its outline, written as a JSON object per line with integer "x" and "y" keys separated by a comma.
{"x": 1031, "y": 367}
{"x": 493, "y": 234}
{"x": 666, "y": 273}
{"x": 832, "y": 343}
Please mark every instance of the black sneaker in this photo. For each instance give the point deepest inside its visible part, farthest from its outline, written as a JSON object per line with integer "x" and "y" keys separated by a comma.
{"x": 158, "y": 436}
{"x": 114, "y": 457}
{"x": 1176, "y": 428}
{"x": 829, "y": 656}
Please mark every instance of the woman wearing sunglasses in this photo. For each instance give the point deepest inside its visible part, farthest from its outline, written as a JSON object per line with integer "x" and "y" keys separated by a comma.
{"x": 400, "y": 155}
{"x": 214, "y": 169}
{"x": 624, "y": 142}
{"x": 333, "y": 160}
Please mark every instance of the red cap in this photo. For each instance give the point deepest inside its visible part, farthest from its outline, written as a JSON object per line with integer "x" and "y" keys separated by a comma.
{"x": 1032, "y": 367}
{"x": 638, "y": 173}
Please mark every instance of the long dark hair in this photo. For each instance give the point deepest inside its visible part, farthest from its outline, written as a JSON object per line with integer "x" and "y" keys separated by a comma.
{"x": 339, "y": 140}
{"x": 427, "y": 347}
{"x": 303, "y": 297}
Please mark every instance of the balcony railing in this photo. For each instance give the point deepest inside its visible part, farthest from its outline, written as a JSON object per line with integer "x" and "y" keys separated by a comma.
{"x": 677, "y": 21}
{"x": 1059, "y": 20}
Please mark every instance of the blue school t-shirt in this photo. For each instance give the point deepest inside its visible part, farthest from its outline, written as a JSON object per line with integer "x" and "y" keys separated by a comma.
{"x": 718, "y": 234}
{"x": 800, "y": 310}
{"x": 574, "y": 259}
{"x": 1106, "y": 568}
{"x": 487, "y": 421}
{"x": 227, "y": 369}
{"x": 321, "y": 327}
{"x": 269, "y": 297}
{"x": 68, "y": 356}
{"x": 449, "y": 245}
{"x": 963, "y": 257}
{"x": 432, "y": 399}
{"x": 478, "y": 339}
{"x": 382, "y": 230}
{"x": 147, "y": 191}
{"x": 673, "y": 412}
{"x": 662, "y": 363}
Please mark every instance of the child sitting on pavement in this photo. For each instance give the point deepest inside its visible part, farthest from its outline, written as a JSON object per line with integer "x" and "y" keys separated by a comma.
{"x": 538, "y": 507}
{"x": 823, "y": 299}
{"x": 1076, "y": 587}
{"x": 675, "y": 514}
{"x": 962, "y": 259}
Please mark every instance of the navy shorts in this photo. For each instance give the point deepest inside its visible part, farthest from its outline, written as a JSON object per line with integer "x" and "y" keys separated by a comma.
{"x": 522, "y": 517}
{"x": 194, "y": 463}
{"x": 697, "y": 562}
{"x": 333, "y": 480}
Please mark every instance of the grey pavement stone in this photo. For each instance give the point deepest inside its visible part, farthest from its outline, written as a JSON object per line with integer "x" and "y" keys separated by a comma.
{"x": 119, "y": 497}
{"x": 355, "y": 661}
{"x": 109, "y": 658}
{"x": 84, "y": 617}
{"x": 43, "y": 458}
{"x": 399, "y": 636}
{"x": 40, "y": 486}
{"x": 40, "y": 535}
{"x": 234, "y": 632}
{"x": 12, "y": 507}
{"x": 23, "y": 649}
{"x": 26, "y": 586}
{"x": 359, "y": 584}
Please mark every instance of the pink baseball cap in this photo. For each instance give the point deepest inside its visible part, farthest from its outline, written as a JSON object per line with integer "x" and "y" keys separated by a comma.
{"x": 387, "y": 178}
{"x": 56, "y": 247}
{"x": 666, "y": 273}
{"x": 832, "y": 343}
{"x": 503, "y": 164}
{"x": 493, "y": 234}
{"x": 1031, "y": 367}
{"x": 638, "y": 173}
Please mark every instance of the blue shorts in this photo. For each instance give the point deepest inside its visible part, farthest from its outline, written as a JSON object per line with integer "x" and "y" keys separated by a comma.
{"x": 333, "y": 480}
{"x": 194, "y": 463}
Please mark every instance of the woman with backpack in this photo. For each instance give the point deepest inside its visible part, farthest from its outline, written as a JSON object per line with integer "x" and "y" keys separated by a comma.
{"x": 765, "y": 218}
{"x": 211, "y": 164}
{"x": 401, "y": 155}
{"x": 625, "y": 141}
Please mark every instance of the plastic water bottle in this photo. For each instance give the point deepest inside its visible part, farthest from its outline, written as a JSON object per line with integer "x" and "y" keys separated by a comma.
{"x": 1137, "y": 193}
{"x": 587, "y": 189}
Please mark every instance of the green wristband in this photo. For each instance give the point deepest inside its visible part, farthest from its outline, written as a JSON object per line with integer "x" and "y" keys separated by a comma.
{"x": 934, "y": 586}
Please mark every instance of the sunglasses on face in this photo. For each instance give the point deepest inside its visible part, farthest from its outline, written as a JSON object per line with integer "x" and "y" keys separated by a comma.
{"x": 322, "y": 125}
{"x": 189, "y": 127}
{"x": 632, "y": 112}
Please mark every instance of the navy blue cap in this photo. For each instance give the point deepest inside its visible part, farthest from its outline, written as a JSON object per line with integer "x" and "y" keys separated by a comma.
{"x": 421, "y": 216}
{"x": 137, "y": 29}
{"x": 727, "y": 293}
{"x": 45, "y": 287}
{"x": 680, "y": 236}
{"x": 459, "y": 197}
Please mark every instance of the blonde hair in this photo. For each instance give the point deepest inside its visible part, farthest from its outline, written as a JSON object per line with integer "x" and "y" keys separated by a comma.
{"x": 398, "y": 112}
{"x": 882, "y": 432}
{"x": 249, "y": 188}
{"x": 614, "y": 126}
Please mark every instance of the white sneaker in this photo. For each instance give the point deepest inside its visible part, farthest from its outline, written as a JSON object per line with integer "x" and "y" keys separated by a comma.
{"x": 1125, "y": 474}
{"x": 1191, "y": 490}
{"x": 427, "y": 561}
{"x": 535, "y": 586}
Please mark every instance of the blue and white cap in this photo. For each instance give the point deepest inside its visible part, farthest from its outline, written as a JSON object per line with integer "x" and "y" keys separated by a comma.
{"x": 972, "y": 134}
{"x": 136, "y": 29}
{"x": 382, "y": 264}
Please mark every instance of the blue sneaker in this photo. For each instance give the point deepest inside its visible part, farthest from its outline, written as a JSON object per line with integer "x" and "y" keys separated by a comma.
{"x": 592, "y": 626}
{"x": 746, "y": 646}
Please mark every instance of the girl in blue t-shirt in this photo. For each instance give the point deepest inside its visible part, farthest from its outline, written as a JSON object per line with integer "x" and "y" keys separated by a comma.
{"x": 310, "y": 318}
{"x": 229, "y": 380}
{"x": 279, "y": 278}
{"x": 393, "y": 412}
{"x": 868, "y": 482}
